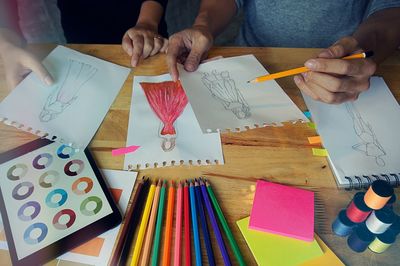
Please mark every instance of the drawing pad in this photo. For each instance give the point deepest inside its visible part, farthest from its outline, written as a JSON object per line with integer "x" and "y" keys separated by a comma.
{"x": 52, "y": 199}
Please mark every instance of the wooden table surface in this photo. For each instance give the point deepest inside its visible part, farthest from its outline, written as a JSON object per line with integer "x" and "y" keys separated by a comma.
{"x": 278, "y": 154}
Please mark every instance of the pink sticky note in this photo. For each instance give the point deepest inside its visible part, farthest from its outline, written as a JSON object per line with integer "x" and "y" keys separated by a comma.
{"x": 125, "y": 150}
{"x": 283, "y": 210}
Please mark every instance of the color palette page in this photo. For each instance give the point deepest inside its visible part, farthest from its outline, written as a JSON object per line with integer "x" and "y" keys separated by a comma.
{"x": 50, "y": 193}
{"x": 222, "y": 98}
{"x": 163, "y": 124}
{"x": 65, "y": 109}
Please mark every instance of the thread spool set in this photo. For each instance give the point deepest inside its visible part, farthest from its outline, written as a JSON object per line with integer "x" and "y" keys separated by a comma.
{"x": 369, "y": 220}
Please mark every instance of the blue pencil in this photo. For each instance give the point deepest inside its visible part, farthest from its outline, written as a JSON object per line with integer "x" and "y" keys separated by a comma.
{"x": 197, "y": 247}
{"x": 203, "y": 221}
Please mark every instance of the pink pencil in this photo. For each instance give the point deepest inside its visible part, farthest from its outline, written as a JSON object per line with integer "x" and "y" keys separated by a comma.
{"x": 178, "y": 225}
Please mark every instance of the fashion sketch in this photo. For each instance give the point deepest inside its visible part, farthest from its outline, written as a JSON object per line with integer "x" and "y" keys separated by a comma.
{"x": 67, "y": 92}
{"x": 223, "y": 89}
{"x": 167, "y": 100}
{"x": 369, "y": 143}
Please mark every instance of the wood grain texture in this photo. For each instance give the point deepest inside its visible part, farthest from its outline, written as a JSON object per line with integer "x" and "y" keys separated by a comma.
{"x": 279, "y": 154}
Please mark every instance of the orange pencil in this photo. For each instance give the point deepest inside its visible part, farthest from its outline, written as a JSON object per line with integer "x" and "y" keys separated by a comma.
{"x": 299, "y": 70}
{"x": 150, "y": 229}
{"x": 168, "y": 227}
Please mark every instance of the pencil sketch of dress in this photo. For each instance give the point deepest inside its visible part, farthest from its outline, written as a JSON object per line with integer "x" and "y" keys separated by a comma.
{"x": 223, "y": 88}
{"x": 67, "y": 92}
{"x": 369, "y": 144}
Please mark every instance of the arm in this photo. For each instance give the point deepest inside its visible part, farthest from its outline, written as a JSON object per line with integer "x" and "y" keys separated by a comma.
{"x": 143, "y": 40}
{"x": 190, "y": 46}
{"x": 333, "y": 80}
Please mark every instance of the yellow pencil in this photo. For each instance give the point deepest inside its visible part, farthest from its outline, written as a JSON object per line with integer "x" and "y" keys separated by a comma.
{"x": 299, "y": 70}
{"x": 150, "y": 229}
{"x": 143, "y": 225}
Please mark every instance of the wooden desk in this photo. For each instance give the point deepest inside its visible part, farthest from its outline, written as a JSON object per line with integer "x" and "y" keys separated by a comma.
{"x": 279, "y": 154}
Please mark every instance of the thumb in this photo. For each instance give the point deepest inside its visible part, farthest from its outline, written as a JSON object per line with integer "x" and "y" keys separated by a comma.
{"x": 37, "y": 67}
{"x": 341, "y": 48}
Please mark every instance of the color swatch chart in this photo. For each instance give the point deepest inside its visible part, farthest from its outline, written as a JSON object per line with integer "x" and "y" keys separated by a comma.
{"x": 50, "y": 193}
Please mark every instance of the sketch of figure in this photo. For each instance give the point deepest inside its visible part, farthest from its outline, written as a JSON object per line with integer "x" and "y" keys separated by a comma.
{"x": 224, "y": 90}
{"x": 167, "y": 100}
{"x": 66, "y": 93}
{"x": 369, "y": 144}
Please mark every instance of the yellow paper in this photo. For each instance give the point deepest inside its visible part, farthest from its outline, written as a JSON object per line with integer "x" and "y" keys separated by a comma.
{"x": 328, "y": 259}
{"x": 320, "y": 152}
{"x": 271, "y": 249}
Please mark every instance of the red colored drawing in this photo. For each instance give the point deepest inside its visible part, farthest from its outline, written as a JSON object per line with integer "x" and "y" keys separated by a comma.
{"x": 168, "y": 100}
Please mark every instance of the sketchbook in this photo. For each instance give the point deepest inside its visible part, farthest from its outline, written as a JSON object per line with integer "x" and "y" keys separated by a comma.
{"x": 72, "y": 109}
{"x": 362, "y": 137}
{"x": 162, "y": 123}
{"x": 222, "y": 99}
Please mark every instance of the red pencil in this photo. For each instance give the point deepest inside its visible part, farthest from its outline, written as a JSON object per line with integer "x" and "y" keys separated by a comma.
{"x": 187, "y": 223}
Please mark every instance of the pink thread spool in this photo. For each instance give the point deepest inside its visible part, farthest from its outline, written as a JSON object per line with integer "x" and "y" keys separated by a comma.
{"x": 358, "y": 211}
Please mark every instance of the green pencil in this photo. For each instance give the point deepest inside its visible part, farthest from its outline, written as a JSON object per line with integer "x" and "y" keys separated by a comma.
{"x": 157, "y": 237}
{"x": 225, "y": 225}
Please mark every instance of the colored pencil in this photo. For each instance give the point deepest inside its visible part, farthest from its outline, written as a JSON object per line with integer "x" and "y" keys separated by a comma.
{"x": 130, "y": 223}
{"x": 196, "y": 236}
{"x": 150, "y": 229}
{"x": 299, "y": 70}
{"x": 186, "y": 216}
{"x": 203, "y": 221}
{"x": 157, "y": 237}
{"x": 166, "y": 261}
{"x": 214, "y": 224}
{"x": 143, "y": 226}
{"x": 225, "y": 225}
{"x": 178, "y": 226}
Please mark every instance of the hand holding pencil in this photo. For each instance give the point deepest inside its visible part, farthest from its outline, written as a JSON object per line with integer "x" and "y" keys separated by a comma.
{"x": 334, "y": 76}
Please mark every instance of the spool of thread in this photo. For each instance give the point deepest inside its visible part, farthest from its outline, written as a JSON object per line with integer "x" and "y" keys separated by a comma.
{"x": 382, "y": 242}
{"x": 361, "y": 237}
{"x": 391, "y": 202}
{"x": 379, "y": 221}
{"x": 395, "y": 227}
{"x": 342, "y": 226}
{"x": 358, "y": 211}
{"x": 378, "y": 194}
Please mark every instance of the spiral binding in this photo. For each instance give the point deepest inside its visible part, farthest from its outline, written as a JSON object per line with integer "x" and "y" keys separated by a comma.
{"x": 363, "y": 182}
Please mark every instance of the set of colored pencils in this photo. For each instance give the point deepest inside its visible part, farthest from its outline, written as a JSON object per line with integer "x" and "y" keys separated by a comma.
{"x": 192, "y": 201}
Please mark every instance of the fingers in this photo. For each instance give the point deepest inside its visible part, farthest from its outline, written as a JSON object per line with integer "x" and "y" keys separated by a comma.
{"x": 148, "y": 45}
{"x": 198, "y": 52}
{"x": 341, "y": 48}
{"x": 138, "y": 45}
{"x": 353, "y": 67}
{"x": 175, "y": 49}
{"x": 158, "y": 44}
{"x": 127, "y": 44}
{"x": 320, "y": 93}
{"x": 37, "y": 67}
{"x": 337, "y": 84}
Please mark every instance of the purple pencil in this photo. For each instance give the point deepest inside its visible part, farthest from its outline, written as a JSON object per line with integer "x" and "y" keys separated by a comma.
{"x": 214, "y": 224}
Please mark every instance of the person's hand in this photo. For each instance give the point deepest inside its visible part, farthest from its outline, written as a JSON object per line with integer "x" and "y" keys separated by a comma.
{"x": 188, "y": 47}
{"x": 334, "y": 80}
{"x": 141, "y": 42}
{"x": 18, "y": 63}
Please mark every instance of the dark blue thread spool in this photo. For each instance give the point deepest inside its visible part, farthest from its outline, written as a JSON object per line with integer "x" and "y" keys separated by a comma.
{"x": 361, "y": 237}
{"x": 395, "y": 227}
{"x": 391, "y": 202}
{"x": 342, "y": 226}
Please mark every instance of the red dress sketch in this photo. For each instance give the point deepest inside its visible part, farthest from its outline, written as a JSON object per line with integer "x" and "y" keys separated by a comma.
{"x": 167, "y": 100}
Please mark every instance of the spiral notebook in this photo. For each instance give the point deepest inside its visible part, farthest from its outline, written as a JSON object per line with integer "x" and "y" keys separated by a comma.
{"x": 362, "y": 137}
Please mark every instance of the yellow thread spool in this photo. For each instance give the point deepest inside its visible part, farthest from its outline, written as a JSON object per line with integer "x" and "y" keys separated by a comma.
{"x": 382, "y": 242}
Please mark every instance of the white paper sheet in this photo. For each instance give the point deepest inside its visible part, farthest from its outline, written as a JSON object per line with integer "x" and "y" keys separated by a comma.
{"x": 222, "y": 99}
{"x": 362, "y": 137}
{"x": 121, "y": 180}
{"x": 73, "y": 108}
{"x": 144, "y": 131}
